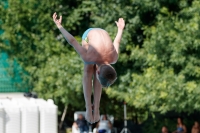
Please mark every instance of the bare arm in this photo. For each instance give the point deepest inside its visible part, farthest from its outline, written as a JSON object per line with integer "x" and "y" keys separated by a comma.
{"x": 70, "y": 39}
{"x": 110, "y": 125}
{"x": 75, "y": 125}
{"x": 185, "y": 129}
{"x": 193, "y": 130}
{"x": 120, "y": 24}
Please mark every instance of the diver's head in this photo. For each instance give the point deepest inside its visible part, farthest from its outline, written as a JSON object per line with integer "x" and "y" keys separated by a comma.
{"x": 106, "y": 75}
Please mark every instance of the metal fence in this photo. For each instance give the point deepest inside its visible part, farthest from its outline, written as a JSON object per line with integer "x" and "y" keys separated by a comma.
{"x": 10, "y": 75}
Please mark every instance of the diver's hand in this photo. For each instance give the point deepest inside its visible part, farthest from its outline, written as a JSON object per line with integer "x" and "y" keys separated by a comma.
{"x": 120, "y": 23}
{"x": 57, "y": 21}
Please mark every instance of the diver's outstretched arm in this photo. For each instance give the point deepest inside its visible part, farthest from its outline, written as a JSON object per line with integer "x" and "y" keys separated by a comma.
{"x": 120, "y": 24}
{"x": 70, "y": 39}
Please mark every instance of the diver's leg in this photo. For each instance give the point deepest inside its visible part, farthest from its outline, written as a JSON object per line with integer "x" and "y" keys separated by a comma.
{"x": 87, "y": 89}
{"x": 97, "y": 96}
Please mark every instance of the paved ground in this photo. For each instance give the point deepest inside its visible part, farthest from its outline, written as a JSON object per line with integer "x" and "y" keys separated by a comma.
{"x": 11, "y": 95}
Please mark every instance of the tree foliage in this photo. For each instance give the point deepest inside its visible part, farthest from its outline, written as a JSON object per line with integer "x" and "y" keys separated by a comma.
{"x": 168, "y": 62}
{"x": 55, "y": 70}
{"x": 158, "y": 67}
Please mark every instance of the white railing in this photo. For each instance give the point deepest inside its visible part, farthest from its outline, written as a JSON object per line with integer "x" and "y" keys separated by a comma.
{"x": 25, "y": 115}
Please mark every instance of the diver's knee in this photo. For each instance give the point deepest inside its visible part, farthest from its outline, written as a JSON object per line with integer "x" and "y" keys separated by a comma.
{"x": 89, "y": 68}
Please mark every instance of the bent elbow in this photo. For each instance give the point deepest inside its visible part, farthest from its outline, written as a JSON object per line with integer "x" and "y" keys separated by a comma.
{"x": 115, "y": 60}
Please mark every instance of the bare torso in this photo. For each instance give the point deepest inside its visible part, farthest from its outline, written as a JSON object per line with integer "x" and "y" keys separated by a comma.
{"x": 100, "y": 48}
{"x": 195, "y": 130}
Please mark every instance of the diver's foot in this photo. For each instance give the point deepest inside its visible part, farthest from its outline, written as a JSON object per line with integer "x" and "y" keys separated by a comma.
{"x": 96, "y": 115}
{"x": 88, "y": 115}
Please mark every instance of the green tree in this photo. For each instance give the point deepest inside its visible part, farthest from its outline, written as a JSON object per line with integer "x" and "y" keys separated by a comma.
{"x": 161, "y": 68}
{"x": 158, "y": 67}
{"x": 55, "y": 69}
